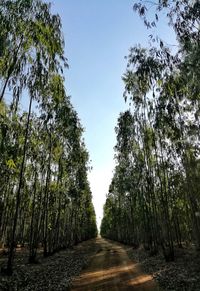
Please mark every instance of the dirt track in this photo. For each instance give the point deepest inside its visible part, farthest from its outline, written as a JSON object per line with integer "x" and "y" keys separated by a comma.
{"x": 111, "y": 269}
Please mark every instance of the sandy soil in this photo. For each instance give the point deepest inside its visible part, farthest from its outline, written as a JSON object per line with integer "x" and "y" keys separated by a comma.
{"x": 111, "y": 269}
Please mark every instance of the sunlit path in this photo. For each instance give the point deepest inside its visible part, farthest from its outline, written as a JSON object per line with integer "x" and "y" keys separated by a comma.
{"x": 111, "y": 269}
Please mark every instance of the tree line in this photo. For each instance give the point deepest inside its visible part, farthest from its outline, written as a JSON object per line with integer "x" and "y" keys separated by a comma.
{"x": 45, "y": 196}
{"x": 154, "y": 196}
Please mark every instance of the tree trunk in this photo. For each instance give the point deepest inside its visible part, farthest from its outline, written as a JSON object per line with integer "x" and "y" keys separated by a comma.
{"x": 18, "y": 196}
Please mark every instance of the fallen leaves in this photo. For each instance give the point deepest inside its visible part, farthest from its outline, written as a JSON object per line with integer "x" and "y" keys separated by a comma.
{"x": 181, "y": 275}
{"x": 52, "y": 273}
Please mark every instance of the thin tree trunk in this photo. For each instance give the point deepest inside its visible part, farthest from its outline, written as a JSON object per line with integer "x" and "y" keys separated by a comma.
{"x": 32, "y": 253}
{"x": 46, "y": 199}
{"x": 18, "y": 196}
{"x": 10, "y": 70}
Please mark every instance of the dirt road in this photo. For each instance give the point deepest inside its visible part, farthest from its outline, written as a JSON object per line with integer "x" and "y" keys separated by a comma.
{"x": 111, "y": 269}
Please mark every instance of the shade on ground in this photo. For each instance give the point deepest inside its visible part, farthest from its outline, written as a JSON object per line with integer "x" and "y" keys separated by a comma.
{"x": 111, "y": 269}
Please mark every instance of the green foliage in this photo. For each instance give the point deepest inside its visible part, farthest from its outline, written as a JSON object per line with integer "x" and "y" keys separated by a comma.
{"x": 155, "y": 190}
{"x": 45, "y": 196}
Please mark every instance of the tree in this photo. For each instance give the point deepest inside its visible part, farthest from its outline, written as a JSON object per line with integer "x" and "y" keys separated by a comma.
{"x": 164, "y": 93}
{"x": 43, "y": 155}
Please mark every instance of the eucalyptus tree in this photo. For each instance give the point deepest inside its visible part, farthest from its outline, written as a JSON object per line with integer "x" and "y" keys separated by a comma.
{"x": 37, "y": 45}
{"x": 43, "y": 155}
{"x": 180, "y": 89}
{"x": 163, "y": 90}
{"x": 56, "y": 203}
{"x": 36, "y": 51}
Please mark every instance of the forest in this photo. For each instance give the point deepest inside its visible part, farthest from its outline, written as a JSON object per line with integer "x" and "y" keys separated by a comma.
{"x": 154, "y": 196}
{"x": 151, "y": 217}
{"x": 45, "y": 196}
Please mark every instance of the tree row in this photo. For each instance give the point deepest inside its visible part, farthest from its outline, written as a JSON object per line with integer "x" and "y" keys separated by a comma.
{"x": 45, "y": 197}
{"x": 154, "y": 196}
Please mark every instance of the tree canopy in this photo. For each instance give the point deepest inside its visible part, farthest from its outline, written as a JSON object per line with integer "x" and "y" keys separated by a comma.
{"x": 154, "y": 197}
{"x": 45, "y": 196}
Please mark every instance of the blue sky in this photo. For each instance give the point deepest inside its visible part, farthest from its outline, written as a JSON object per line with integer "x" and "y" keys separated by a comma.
{"x": 98, "y": 34}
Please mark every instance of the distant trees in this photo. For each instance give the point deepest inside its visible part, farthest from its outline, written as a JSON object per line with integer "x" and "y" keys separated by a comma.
{"x": 154, "y": 197}
{"x": 45, "y": 198}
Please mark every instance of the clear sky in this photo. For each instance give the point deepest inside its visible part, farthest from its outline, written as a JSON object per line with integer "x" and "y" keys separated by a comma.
{"x": 98, "y": 34}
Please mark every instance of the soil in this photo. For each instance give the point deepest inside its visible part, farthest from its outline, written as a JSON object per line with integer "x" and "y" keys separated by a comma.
{"x": 183, "y": 274}
{"x": 112, "y": 269}
{"x": 52, "y": 273}
{"x": 101, "y": 264}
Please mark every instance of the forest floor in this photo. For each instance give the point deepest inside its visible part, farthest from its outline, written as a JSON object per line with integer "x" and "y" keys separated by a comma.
{"x": 100, "y": 264}
{"x": 112, "y": 269}
{"x": 51, "y": 273}
{"x": 181, "y": 275}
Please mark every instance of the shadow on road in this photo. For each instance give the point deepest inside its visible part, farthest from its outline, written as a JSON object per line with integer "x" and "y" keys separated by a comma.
{"x": 111, "y": 269}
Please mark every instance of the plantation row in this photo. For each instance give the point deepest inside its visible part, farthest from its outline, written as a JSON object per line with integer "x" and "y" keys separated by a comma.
{"x": 45, "y": 197}
{"x": 154, "y": 196}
